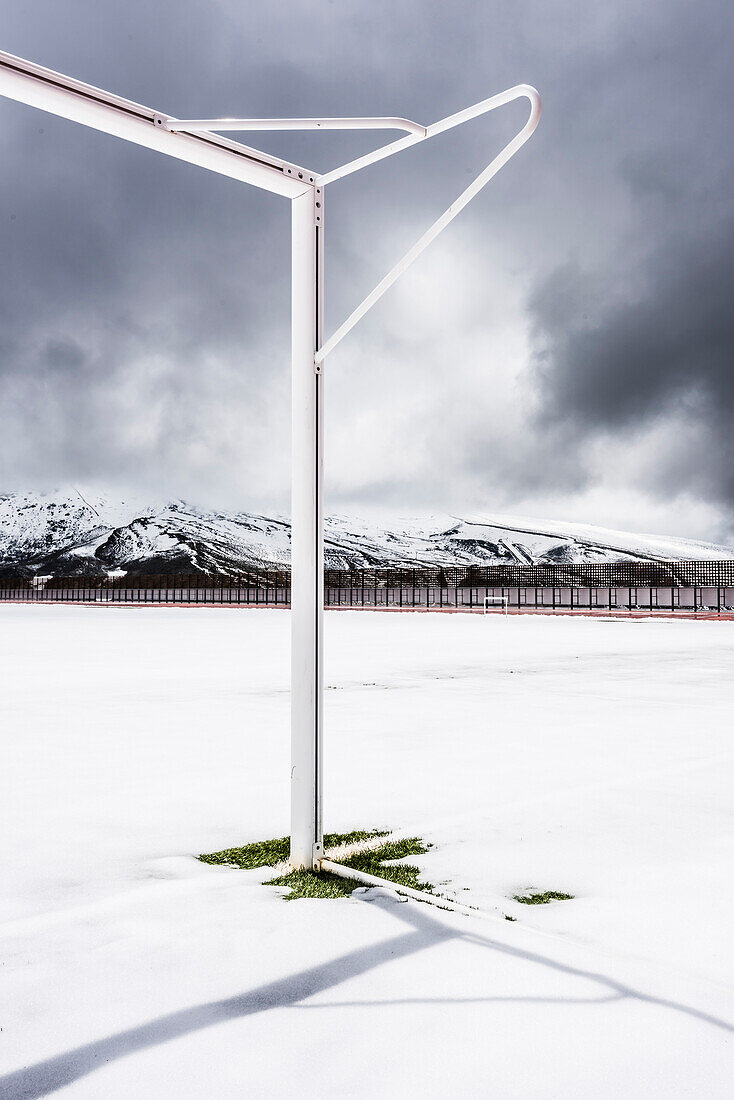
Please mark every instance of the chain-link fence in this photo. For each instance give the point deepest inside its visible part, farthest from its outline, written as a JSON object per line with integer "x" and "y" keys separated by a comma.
{"x": 646, "y": 585}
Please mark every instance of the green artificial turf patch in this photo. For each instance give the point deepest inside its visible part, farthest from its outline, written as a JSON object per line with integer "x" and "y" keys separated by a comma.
{"x": 268, "y": 853}
{"x": 312, "y": 884}
{"x": 542, "y": 899}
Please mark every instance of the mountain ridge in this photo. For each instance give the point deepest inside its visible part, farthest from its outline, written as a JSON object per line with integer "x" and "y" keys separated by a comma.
{"x": 74, "y": 533}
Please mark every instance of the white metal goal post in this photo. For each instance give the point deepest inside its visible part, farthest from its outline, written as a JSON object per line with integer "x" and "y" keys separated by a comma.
{"x": 490, "y": 601}
{"x": 200, "y": 141}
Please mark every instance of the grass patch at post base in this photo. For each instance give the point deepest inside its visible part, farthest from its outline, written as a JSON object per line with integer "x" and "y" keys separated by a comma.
{"x": 542, "y": 899}
{"x": 312, "y": 884}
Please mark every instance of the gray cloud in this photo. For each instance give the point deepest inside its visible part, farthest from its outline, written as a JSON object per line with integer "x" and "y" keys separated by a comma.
{"x": 144, "y": 304}
{"x": 663, "y": 354}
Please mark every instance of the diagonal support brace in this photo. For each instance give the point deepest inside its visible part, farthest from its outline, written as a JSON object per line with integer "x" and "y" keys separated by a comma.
{"x": 521, "y": 91}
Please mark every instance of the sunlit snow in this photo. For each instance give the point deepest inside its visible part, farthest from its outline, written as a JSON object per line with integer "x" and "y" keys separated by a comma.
{"x": 590, "y": 757}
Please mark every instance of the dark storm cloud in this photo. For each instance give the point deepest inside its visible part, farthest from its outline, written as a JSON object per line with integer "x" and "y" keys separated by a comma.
{"x": 668, "y": 352}
{"x": 650, "y": 337}
{"x": 674, "y": 341}
{"x": 144, "y": 303}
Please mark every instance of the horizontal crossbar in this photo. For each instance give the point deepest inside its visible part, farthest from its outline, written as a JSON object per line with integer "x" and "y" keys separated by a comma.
{"x": 194, "y": 125}
{"x": 62, "y": 95}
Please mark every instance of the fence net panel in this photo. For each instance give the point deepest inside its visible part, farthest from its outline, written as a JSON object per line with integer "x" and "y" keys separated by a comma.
{"x": 643, "y": 584}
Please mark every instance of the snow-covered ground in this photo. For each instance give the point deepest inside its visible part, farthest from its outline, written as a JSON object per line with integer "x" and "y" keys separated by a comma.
{"x": 591, "y": 757}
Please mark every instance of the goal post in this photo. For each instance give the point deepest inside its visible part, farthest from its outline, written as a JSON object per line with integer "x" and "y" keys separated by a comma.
{"x": 307, "y": 534}
{"x": 200, "y": 142}
{"x": 490, "y": 601}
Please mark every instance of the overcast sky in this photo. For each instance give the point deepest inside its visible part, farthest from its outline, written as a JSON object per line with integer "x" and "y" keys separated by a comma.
{"x": 563, "y": 350}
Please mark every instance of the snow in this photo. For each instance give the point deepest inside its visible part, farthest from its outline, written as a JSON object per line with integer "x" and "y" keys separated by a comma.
{"x": 540, "y": 535}
{"x": 588, "y": 756}
{"x": 73, "y": 530}
{"x": 33, "y": 522}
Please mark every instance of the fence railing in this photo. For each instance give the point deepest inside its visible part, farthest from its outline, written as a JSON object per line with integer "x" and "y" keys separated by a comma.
{"x": 646, "y": 585}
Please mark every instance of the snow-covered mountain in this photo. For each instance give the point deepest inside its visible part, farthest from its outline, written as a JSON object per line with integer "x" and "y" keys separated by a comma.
{"x": 75, "y": 532}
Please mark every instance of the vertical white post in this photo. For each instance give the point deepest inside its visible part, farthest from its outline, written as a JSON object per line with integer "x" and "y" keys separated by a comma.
{"x": 307, "y": 542}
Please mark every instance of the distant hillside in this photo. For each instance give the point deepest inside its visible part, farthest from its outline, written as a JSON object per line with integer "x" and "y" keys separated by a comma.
{"x": 75, "y": 532}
